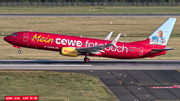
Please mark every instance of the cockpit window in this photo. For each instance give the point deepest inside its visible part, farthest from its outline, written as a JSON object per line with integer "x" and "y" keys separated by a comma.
{"x": 14, "y": 34}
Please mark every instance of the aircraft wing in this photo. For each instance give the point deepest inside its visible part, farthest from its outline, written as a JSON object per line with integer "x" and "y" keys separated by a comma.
{"x": 98, "y": 48}
{"x": 165, "y": 49}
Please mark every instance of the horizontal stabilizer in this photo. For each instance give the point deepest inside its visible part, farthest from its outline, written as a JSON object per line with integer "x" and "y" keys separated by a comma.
{"x": 165, "y": 49}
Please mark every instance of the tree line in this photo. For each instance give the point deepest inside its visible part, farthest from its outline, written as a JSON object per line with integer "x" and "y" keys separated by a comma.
{"x": 89, "y": 1}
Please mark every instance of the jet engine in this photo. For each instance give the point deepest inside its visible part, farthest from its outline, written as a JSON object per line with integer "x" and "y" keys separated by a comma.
{"x": 69, "y": 51}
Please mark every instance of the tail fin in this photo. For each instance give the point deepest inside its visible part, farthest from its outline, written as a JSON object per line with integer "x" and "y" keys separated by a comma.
{"x": 161, "y": 35}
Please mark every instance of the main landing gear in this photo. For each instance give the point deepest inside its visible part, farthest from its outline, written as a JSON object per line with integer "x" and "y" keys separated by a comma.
{"x": 86, "y": 59}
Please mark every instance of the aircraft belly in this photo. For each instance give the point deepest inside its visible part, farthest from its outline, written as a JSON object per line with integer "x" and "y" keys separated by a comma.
{"x": 129, "y": 55}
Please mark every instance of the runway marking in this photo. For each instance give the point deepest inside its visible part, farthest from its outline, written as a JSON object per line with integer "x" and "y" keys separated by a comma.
{"x": 167, "y": 100}
{"x": 177, "y": 69}
{"x": 175, "y": 83}
{"x": 158, "y": 84}
{"x": 43, "y": 65}
{"x": 167, "y": 87}
{"x": 165, "y": 83}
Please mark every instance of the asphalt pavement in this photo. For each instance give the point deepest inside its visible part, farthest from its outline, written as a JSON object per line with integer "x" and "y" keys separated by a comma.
{"x": 128, "y": 80}
{"x": 135, "y": 84}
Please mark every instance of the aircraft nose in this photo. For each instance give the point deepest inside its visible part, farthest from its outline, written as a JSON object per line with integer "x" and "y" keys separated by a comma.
{"x": 7, "y": 38}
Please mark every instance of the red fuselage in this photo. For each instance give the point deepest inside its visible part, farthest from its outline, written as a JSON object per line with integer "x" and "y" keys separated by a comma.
{"x": 55, "y": 42}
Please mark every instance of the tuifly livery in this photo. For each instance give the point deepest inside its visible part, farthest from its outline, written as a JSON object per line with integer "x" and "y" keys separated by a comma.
{"x": 73, "y": 46}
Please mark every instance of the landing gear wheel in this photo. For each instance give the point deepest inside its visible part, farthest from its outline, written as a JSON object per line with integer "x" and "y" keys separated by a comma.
{"x": 86, "y": 60}
{"x": 19, "y": 51}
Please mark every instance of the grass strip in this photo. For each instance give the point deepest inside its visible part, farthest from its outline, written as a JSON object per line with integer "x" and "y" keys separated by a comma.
{"x": 93, "y": 10}
{"x": 53, "y": 86}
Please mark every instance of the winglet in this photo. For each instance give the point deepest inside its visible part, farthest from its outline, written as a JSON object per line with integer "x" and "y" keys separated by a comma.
{"x": 109, "y": 36}
{"x": 116, "y": 40}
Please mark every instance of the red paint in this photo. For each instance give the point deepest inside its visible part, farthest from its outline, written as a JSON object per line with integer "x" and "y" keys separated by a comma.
{"x": 16, "y": 46}
{"x": 12, "y": 98}
{"x": 166, "y": 87}
{"x": 46, "y": 41}
{"x": 30, "y": 98}
{"x": 21, "y": 98}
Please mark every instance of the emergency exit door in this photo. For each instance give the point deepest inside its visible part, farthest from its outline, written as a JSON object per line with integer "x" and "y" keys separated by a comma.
{"x": 141, "y": 49}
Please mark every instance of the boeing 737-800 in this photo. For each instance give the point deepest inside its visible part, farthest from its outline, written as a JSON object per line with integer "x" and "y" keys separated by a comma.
{"x": 73, "y": 46}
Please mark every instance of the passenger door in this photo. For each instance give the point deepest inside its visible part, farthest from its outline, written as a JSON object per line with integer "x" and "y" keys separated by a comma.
{"x": 141, "y": 49}
{"x": 25, "y": 37}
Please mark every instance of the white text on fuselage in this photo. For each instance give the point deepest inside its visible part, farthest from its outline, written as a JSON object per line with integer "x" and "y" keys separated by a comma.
{"x": 90, "y": 44}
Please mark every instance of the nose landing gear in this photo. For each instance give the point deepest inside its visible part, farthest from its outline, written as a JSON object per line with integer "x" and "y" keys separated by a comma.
{"x": 19, "y": 51}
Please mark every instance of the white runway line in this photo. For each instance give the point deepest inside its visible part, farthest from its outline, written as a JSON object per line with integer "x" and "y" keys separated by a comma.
{"x": 43, "y": 65}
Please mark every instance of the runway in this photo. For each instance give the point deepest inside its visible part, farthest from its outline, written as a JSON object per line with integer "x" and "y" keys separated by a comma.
{"x": 93, "y": 65}
{"x": 136, "y": 76}
{"x": 89, "y": 15}
{"x": 136, "y": 83}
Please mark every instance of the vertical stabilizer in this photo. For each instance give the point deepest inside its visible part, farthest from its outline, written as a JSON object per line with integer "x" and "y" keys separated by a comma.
{"x": 162, "y": 34}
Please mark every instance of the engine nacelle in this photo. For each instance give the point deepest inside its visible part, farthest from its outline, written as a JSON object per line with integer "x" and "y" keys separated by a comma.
{"x": 68, "y": 51}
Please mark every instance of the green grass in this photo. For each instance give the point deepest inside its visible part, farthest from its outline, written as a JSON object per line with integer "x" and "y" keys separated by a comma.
{"x": 93, "y": 10}
{"x": 137, "y": 28}
{"x": 53, "y": 86}
{"x": 86, "y": 26}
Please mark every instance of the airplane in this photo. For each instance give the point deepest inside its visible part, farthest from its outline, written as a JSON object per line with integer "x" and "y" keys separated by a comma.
{"x": 74, "y": 46}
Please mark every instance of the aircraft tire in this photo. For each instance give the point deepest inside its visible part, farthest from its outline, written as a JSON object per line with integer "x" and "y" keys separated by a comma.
{"x": 19, "y": 51}
{"x": 86, "y": 60}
